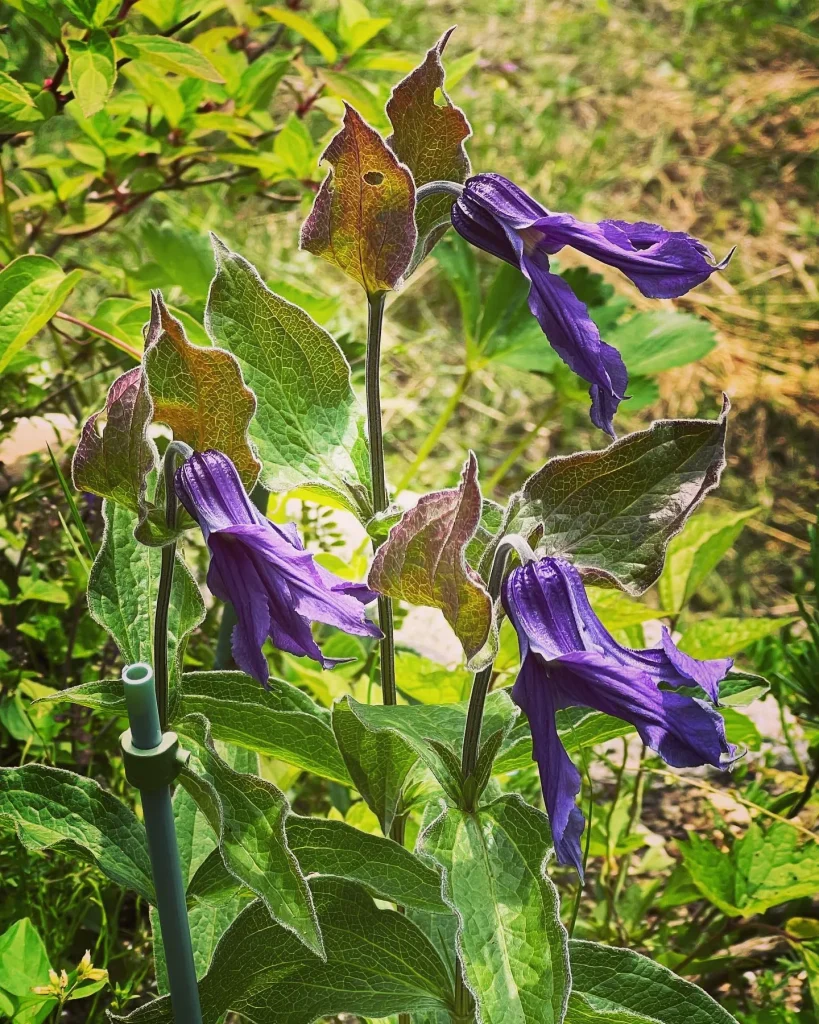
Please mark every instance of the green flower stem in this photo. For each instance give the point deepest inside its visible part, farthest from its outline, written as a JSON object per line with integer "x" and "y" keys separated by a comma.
{"x": 519, "y": 448}
{"x": 223, "y": 658}
{"x": 440, "y": 426}
{"x": 480, "y": 684}
{"x": 176, "y": 449}
{"x": 375, "y": 436}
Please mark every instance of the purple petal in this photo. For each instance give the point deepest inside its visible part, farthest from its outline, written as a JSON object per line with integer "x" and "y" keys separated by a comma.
{"x": 482, "y": 230}
{"x": 503, "y": 199}
{"x": 663, "y": 264}
{"x": 684, "y": 731}
{"x": 209, "y": 487}
{"x": 574, "y": 336}
{"x": 706, "y": 674}
{"x": 559, "y": 778}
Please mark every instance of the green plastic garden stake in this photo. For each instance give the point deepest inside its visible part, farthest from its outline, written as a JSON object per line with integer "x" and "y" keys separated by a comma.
{"x": 152, "y": 762}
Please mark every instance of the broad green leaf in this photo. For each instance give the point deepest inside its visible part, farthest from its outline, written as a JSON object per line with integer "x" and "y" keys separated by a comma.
{"x": 652, "y": 342}
{"x": 457, "y": 262}
{"x": 306, "y": 29}
{"x": 18, "y": 111}
{"x": 294, "y": 147}
{"x": 579, "y": 728}
{"x": 115, "y": 463}
{"x": 383, "y": 867}
{"x": 741, "y": 688}
{"x": 721, "y": 637}
{"x": 92, "y": 13}
{"x": 378, "y": 963}
{"x": 355, "y": 26}
{"x": 126, "y": 319}
{"x": 185, "y": 258}
{"x": 248, "y": 815}
{"x": 513, "y": 946}
{"x": 24, "y": 964}
{"x": 423, "y": 561}
{"x": 168, "y": 55}
{"x": 199, "y": 392}
{"x": 762, "y": 870}
{"x": 50, "y": 807}
{"x": 40, "y": 12}
{"x": 32, "y": 289}
{"x": 309, "y": 428}
{"x": 100, "y": 695}
{"x": 619, "y": 986}
{"x": 692, "y": 554}
{"x": 366, "y": 99}
{"x": 123, "y": 588}
{"x": 612, "y": 512}
{"x": 281, "y": 722}
{"x": 378, "y": 762}
{"x": 417, "y": 119}
{"x": 91, "y": 70}
{"x": 362, "y": 218}
{"x": 430, "y": 683}
{"x": 740, "y": 729}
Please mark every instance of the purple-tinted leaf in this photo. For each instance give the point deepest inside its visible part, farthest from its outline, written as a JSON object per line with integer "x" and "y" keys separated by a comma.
{"x": 429, "y": 138}
{"x": 114, "y": 461}
{"x": 362, "y": 220}
{"x": 424, "y": 560}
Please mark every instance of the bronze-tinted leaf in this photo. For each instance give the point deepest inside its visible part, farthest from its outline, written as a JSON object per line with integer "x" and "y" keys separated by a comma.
{"x": 424, "y": 560}
{"x": 114, "y": 462}
{"x": 429, "y": 138}
{"x": 362, "y": 220}
{"x": 199, "y": 392}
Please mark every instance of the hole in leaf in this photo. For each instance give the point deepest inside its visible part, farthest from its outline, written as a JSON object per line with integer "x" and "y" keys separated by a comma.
{"x": 373, "y": 177}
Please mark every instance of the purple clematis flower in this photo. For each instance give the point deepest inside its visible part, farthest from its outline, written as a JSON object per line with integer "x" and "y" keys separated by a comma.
{"x": 497, "y": 216}
{"x": 568, "y": 659}
{"x": 275, "y": 586}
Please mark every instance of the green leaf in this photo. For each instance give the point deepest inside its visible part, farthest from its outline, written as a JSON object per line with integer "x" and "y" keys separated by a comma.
{"x": 619, "y": 986}
{"x": 169, "y": 55}
{"x": 364, "y": 98}
{"x": 378, "y": 963}
{"x": 18, "y": 112}
{"x": 294, "y": 147}
{"x": 50, "y": 807}
{"x": 652, "y": 342}
{"x": 417, "y": 119}
{"x": 281, "y": 722}
{"x": 309, "y": 428}
{"x": 762, "y": 869}
{"x": 32, "y": 289}
{"x": 612, "y": 512}
{"x": 741, "y": 688}
{"x": 378, "y": 763}
{"x": 426, "y": 681}
{"x": 185, "y": 258}
{"x": 740, "y": 729}
{"x": 115, "y": 463}
{"x": 423, "y": 561}
{"x": 199, "y": 392}
{"x": 91, "y": 13}
{"x": 383, "y": 867}
{"x": 92, "y": 70}
{"x": 692, "y": 554}
{"x": 719, "y": 638}
{"x": 248, "y": 815}
{"x": 123, "y": 588}
{"x": 24, "y": 964}
{"x": 616, "y": 611}
{"x": 306, "y": 29}
{"x": 362, "y": 218}
{"x": 513, "y": 946}
{"x": 355, "y": 26}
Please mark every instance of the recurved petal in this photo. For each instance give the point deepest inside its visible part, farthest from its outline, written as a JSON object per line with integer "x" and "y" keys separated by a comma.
{"x": 484, "y": 231}
{"x": 504, "y": 199}
{"x": 573, "y": 334}
{"x": 684, "y": 731}
{"x": 559, "y": 779}
{"x": 706, "y": 674}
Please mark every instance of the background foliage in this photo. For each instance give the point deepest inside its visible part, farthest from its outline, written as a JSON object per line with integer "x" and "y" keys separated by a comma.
{"x": 130, "y": 131}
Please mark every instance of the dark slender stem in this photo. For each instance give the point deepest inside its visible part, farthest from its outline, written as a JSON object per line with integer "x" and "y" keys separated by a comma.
{"x": 480, "y": 684}
{"x": 438, "y": 188}
{"x": 176, "y": 449}
{"x": 375, "y": 436}
{"x": 813, "y": 778}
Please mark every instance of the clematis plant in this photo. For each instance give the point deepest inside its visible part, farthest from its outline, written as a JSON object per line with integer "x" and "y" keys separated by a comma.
{"x": 295, "y": 918}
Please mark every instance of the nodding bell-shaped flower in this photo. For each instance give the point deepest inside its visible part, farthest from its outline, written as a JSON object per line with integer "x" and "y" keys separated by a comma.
{"x": 275, "y": 586}
{"x": 493, "y": 214}
{"x": 568, "y": 659}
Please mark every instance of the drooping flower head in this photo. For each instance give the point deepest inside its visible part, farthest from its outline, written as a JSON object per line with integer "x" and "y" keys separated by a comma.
{"x": 568, "y": 659}
{"x": 276, "y": 587}
{"x": 497, "y": 216}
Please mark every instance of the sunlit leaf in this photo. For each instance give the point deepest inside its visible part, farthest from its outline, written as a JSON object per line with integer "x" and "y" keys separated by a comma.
{"x": 168, "y": 55}
{"x": 92, "y": 70}
{"x": 362, "y": 218}
{"x": 306, "y": 29}
{"x": 423, "y": 561}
